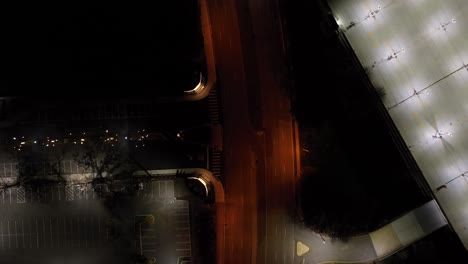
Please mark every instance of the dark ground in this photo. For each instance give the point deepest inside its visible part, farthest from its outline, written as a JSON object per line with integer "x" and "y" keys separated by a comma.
{"x": 84, "y": 49}
{"x": 347, "y": 154}
{"x": 354, "y": 179}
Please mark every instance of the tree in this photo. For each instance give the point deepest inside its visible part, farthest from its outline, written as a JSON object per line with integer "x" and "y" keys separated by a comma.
{"x": 35, "y": 167}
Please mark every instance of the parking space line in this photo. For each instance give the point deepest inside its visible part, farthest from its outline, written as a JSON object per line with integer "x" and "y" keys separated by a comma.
{"x": 78, "y": 230}
{"x": 64, "y": 232}
{"x": 1, "y": 228}
{"x": 43, "y": 231}
{"x": 99, "y": 229}
{"x": 10, "y": 194}
{"x": 3, "y": 196}
{"x": 92, "y": 240}
{"x": 30, "y": 233}
{"x": 51, "y": 240}
{"x": 85, "y": 237}
{"x": 71, "y": 232}
{"x": 9, "y": 237}
{"x": 22, "y": 227}
{"x": 58, "y": 231}
{"x": 37, "y": 233}
{"x": 16, "y": 235}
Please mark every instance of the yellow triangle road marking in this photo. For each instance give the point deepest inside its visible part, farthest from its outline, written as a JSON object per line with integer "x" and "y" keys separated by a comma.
{"x": 301, "y": 248}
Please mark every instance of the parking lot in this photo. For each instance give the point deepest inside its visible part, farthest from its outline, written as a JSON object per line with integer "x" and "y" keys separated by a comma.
{"x": 66, "y": 193}
{"x": 82, "y": 231}
{"x": 73, "y": 217}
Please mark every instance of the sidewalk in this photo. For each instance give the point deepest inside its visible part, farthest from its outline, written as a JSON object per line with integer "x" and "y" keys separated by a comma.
{"x": 378, "y": 244}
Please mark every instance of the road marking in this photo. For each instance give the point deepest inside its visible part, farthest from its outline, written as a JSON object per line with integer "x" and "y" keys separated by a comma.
{"x": 99, "y": 230}
{"x": 37, "y": 233}
{"x": 43, "y": 231}
{"x": 85, "y": 237}
{"x": 69, "y": 193}
{"x": 16, "y": 234}
{"x": 71, "y": 232}
{"x": 77, "y": 230}
{"x": 51, "y": 238}
{"x": 10, "y": 194}
{"x": 30, "y": 234}
{"x": 1, "y": 228}
{"x": 64, "y": 232}
{"x": 20, "y": 195}
{"x": 9, "y": 237}
{"x": 22, "y": 227}
{"x": 3, "y": 195}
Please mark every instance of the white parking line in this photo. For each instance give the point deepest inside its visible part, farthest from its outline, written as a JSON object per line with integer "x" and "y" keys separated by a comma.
{"x": 43, "y": 231}
{"x": 10, "y": 194}
{"x": 30, "y": 234}
{"x": 78, "y": 230}
{"x": 57, "y": 221}
{"x": 22, "y": 226}
{"x": 99, "y": 229}
{"x": 84, "y": 225}
{"x": 9, "y": 237}
{"x": 16, "y": 234}
{"x": 51, "y": 239}
{"x": 37, "y": 233}
{"x": 64, "y": 231}
{"x": 1, "y": 228}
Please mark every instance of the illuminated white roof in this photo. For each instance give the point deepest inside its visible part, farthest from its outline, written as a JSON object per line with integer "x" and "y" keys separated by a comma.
{"x": 417, "y": 51}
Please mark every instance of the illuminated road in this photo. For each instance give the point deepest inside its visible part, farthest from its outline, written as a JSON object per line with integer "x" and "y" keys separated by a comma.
{"x": 258, "y": 133}
{"x": 417, "y": 52}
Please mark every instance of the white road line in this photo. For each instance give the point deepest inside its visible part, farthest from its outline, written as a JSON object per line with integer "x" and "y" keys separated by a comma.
{"x": 91, "y": 225}
{"x": 71, "y": 232}
{"x": 58, "y": 231}
{"x": 51, "y": 237}
{"x": 64, "y": 232}
{"x": 3, "y": 197}
{"x": 37, "y": 233}
{"x": 30, "y": 234}
{"x": 159, "y": 189}
{"x": 9, "y": 237}
{"x": 1, "y": 230}
{"x": 16, "y": 234}
{"x": 10, "y": 194}
{"x": 78, "y": 230}
{"x": 43, "y": 231}
{"x": 22, "y": 226}
{"x": 99, "y": 230}
{"x": 85, "y": 237}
